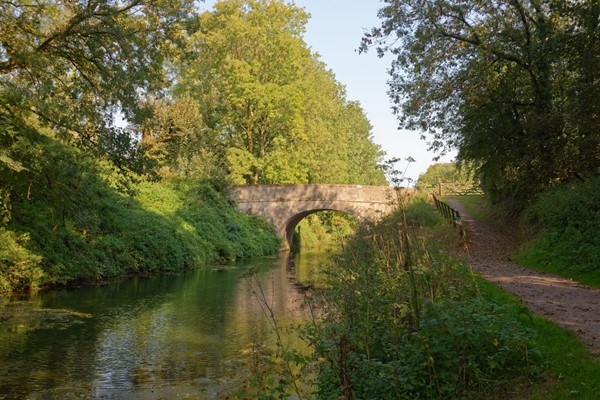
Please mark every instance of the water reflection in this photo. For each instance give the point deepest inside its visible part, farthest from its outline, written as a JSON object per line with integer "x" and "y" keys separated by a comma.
{"x": 173, "y": 336}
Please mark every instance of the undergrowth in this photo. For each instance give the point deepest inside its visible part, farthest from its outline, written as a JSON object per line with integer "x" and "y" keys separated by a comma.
{"x": 401, "y": 321}
{"x": 67, "y": 222}
{"x": 565, "y": 223}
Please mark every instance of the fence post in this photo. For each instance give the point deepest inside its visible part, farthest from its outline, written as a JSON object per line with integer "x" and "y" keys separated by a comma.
{"x": 449, "y": 213}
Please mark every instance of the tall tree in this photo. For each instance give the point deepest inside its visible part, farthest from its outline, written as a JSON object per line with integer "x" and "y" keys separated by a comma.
{"x": 66, "y": 68}
{"x": 280, "y": 115}
{"x": 244, "y": 69}
{"x": 499, "y": 80}
{"x": 74, "y": 64}
{"x": 362, "y": 151}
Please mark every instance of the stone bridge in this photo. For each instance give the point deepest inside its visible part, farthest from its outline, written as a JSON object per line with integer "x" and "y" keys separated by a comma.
{"x": 284, "y": 206}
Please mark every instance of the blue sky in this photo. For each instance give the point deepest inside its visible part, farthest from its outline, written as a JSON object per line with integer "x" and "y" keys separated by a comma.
{"x": 334, "y": 32}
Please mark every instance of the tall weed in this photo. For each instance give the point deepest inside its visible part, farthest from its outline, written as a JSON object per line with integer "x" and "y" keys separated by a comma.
{"x": 403, "y": 322}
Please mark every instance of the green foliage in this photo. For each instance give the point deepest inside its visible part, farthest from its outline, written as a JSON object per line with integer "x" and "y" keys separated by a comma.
{"x": 74, "y": 64}
{"x": 567, "y": 222}
{"x": 81, "y": 228}
{"x": 244, "y": 72}
{"x": 270, "y": 110}
{"x": 19, "y": 267}
{"x": 403, "y": 322}
{"x": 443, "y": 172}
{"x": 179, "y": 144}
{"x": 507, "y": 83}
{"x": 325, "y": 228}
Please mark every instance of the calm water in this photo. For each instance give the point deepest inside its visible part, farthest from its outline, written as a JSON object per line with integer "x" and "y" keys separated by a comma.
{"x": 188, "y": 335}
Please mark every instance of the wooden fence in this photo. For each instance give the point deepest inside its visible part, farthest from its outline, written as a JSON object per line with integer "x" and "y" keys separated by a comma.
{"x": 449, "y": 213}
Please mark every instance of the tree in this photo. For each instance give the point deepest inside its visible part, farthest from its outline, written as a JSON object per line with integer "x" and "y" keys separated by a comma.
{"x": 245, "y": 69}
{"x": 177, "y": 141}
{"x": 500, "y": 81}
{"x": 340, "y": 146}
{"x": 74, "y": 64}
{"x": 364, "y": 156}
{"x": 443, "y": 172}
{"x": 280, "y": 115}
{"x": 66, "y": 68}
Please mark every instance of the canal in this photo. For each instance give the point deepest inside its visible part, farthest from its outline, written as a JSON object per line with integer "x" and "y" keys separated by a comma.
{"x": 186, "y": 335}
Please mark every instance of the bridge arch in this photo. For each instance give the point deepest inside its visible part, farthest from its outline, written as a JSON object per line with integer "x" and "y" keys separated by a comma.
{"x": 286, "y": 231}
{"x": 284, "y": 206}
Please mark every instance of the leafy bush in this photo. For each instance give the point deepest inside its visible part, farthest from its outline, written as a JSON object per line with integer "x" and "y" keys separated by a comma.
{"x": 19, "y": 268}
{"x": 403, "y": 322}
{"x": 80, "y": 227}
{"x": 324, "y": 228}
{"x": 567, "y": 222}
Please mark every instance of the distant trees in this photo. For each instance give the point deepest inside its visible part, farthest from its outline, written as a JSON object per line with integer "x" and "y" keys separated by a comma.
{"x": 443, "y": 172}
{"x": 509, "y": 83}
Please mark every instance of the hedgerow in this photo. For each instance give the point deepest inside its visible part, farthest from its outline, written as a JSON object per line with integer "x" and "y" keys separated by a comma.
{"x": 73, "y": 224}
{"x": 565, "y": 223}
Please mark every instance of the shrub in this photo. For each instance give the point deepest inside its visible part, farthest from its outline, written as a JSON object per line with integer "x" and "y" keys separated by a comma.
{"x": 567, "y": 222}
{"x": 403, "y": 322}
{"x": 19, "y": 268}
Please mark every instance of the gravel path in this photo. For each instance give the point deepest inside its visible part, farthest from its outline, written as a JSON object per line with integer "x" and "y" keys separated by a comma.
{"x": 569, "y": 304}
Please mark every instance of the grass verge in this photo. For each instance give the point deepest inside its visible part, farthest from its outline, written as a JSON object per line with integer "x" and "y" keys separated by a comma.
{"x": 476, "y": 205}
{"x": 570, "y": 371}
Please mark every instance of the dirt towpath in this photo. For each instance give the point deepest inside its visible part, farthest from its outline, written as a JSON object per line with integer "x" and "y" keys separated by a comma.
{"x": 569, "y": 304}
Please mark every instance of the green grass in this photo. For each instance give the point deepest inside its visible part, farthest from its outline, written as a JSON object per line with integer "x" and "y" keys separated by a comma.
{"x": 570, "y": 372}
{"x": 432, "y": 227}
{"x": 476, "y": 205}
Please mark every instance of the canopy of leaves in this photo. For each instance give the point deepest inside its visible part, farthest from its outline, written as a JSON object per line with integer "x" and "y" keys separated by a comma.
{"x": 267, "y": 105}
{"x": 510, "y": 83}
{"x": 66, "y": 69}
{"x": 71, "y": 66}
